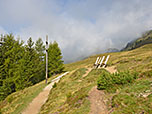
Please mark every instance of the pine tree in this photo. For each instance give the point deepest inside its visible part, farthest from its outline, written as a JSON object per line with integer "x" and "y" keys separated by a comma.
{"x": 30, "y": 60}
{"x": 40, "y": 49}
{"x": 25, "y": 70}
{"x": 23, "y": 65}
{"x": 11, "y": 54}
{"x": 55, "y": 62}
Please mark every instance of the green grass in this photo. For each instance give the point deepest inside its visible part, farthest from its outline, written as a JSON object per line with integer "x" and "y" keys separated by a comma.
{"x": 70, "y": 96}
{"x": 108, "y": 81}
{"x": 130, "y": 100}
{"x": 139, "y": 60}
{"x": 18, "y": 101}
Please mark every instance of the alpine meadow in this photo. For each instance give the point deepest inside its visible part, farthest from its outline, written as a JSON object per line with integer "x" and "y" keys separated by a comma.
{"x": 75, "y": 57}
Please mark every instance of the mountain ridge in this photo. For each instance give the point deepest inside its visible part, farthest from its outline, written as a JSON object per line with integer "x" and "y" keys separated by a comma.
{"x": 146, "y": 38}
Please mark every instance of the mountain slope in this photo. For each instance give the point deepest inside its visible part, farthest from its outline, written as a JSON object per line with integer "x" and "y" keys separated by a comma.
{"x": 16, "y": 102}
{"x": 71, "y": 94}
{"x": 145, "y": 39}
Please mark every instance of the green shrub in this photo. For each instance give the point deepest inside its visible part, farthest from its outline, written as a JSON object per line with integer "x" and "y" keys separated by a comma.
{"x": 104, "y": 81}
{"x": 122, "y": 78}
{"x": 107, "y": 80}
{"x": 54, "y": 85}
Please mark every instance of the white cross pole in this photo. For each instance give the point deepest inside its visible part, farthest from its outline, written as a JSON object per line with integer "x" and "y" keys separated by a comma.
{"x": 101, "y": 61}
{"x": 106, "y": 61}
{"x": 46, "y": 58}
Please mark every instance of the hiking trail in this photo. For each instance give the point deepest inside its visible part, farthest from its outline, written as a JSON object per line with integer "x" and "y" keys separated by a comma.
{"x": 35, "y": 106}
{"x": 96, "y": 97}
{"x": 87, "y": 72}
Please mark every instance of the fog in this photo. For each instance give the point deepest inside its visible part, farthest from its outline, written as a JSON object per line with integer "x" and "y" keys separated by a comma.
{"x": 81, "y": 27}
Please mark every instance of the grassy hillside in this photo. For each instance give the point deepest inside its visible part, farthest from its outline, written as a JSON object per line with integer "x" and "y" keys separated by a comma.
{"x": 139, "y": 60}
{"x": 70, "y": 96}
{"x": 145, "y": 39}
{"x": 18, "y": 101}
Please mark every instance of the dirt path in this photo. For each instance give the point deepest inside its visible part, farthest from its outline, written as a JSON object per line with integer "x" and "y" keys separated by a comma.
{"x": 35, "y": 105}
{"x": 87, "y": 72}
{"x": 98, "y": 105}
{"x": 111, "y": 69}
{"x": 96, "y": 97}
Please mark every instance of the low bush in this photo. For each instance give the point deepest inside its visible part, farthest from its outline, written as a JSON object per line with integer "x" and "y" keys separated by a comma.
{"x": 107, "y": 80}
{"x": 104, "y": 81}
{"x": 55, "y": 84}
{"x": 122, "y": 78}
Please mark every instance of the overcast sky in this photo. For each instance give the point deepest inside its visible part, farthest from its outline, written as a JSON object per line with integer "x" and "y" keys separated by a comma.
{"x": 81, "y": 27}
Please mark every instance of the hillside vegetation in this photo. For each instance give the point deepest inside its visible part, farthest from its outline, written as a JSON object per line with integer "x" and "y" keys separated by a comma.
{"x": 23, "y": 65}
{"x": 70, "y": 96}
{"x": 18, "y": 101}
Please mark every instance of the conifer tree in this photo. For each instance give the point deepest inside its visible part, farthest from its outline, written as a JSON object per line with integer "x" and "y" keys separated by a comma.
{"x": 11, "y": 54}
{"x": 55, "y": 62}
{"x": 25, "y": 70}
{"x": 40, "y": 49}
{"x": 24, "y": 65}
{"x": 31, "y": 60}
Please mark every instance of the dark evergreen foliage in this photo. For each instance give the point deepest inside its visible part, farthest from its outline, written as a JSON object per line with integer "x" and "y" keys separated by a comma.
{"x": 23, "y": 65}
{"x": 55, "y": 62}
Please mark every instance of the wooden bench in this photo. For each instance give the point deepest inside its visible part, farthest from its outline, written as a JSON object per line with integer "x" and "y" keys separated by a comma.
{"x": 100, "y": 62}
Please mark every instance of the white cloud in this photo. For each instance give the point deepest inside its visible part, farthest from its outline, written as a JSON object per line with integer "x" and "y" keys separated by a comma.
{"x": 80, "y": 27}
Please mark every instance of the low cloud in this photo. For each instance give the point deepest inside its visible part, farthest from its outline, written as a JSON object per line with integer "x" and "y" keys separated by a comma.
{"x": 80, "y": 27}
